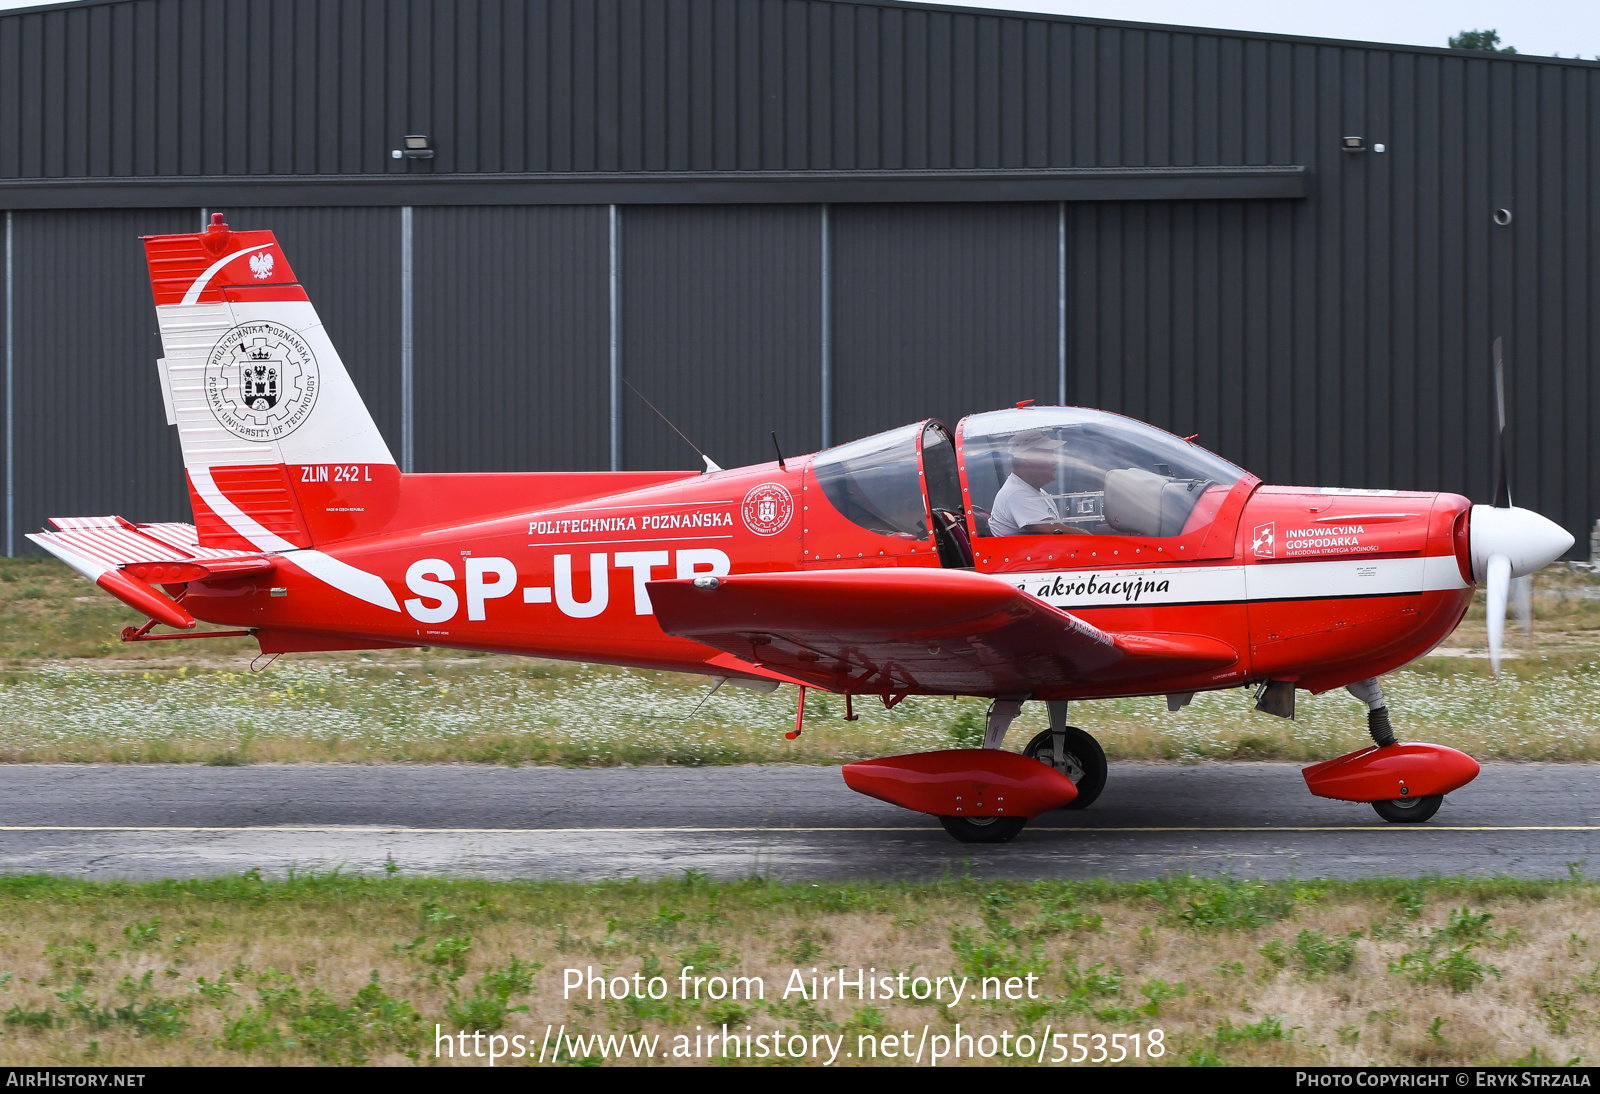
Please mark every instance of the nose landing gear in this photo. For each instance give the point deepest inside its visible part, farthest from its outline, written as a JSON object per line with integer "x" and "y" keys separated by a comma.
{"x": 1404, "y": 783}
{"x": 1409, "y": 810}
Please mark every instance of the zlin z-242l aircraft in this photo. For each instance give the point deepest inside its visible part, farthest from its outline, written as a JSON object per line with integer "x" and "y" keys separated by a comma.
{"x": 1049, "y": 553}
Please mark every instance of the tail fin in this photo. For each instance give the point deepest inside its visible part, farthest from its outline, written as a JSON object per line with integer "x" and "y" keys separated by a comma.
{"x": 279, "y": 449}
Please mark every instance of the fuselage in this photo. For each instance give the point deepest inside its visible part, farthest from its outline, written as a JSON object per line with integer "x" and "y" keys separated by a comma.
{"x": 1312, "y": 585}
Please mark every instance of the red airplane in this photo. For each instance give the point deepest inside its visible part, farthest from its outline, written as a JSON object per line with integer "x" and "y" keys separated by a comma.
{"x": 1048, "y": 553}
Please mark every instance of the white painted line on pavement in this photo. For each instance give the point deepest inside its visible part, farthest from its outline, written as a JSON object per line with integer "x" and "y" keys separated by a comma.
{"x": 402, "y": 831}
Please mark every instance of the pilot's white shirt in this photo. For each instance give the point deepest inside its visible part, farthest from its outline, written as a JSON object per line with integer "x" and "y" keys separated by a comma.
{"x": 1018, "y": 505}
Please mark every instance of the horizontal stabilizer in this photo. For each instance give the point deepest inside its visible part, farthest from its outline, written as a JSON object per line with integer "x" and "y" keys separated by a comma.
{"x": 888, "y": 631}
{"x": 127, "y": 560}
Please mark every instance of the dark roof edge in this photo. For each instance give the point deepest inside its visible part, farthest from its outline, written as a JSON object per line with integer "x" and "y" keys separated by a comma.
{"x": 1050, "y": 17}
{"x": 699, "y": 187}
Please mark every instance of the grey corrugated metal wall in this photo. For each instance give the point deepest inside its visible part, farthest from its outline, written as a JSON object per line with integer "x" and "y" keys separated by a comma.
{"x": 91, "y": 431}
{"x": 1339, "y": 338}
{"x": 720, "y": 328}
{"x": 941, "y": 310}
{"x": 229, "y": 87}
{"x": 511, "y": 331}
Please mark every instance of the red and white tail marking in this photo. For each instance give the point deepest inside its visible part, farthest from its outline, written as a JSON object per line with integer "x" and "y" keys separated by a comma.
{"x": 259, "y": 394}
{"x": 254, "y": 386}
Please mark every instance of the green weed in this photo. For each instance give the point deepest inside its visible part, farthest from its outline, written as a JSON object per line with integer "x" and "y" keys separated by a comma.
{"x": 1313, "y": 953}
{"x": 330, "y": 1031}
{"x": 999, "y": 950}
{"x": 486, "y": 1008}
{"x": 140, "y": 934}
{"x": 1445, "y": 956}
{"x": 966, "y": 730}
{"x": 1214, "y": 904}
{"x": 28, "y": 1018}
{"x": 1268, "y": 1029}
{"x": 1457, "y": 968}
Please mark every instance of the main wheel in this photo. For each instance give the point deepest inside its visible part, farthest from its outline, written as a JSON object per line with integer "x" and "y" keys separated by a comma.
{"x": 1409, "y": 810}
{"x": 1084, "y": 763}
{"x": 983, "y": 829}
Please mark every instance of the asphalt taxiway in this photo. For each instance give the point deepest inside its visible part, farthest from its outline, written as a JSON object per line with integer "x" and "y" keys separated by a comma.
{"x": 1248, "y": 819}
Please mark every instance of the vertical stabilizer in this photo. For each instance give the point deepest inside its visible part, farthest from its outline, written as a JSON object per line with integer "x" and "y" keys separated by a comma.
{"x": 279, "y": 449}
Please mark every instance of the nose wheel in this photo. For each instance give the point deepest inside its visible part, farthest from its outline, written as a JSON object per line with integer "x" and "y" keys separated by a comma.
{"x": 1082, "y": 761}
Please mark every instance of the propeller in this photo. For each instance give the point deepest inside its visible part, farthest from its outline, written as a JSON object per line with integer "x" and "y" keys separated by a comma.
{"x": 1509, "y": 543}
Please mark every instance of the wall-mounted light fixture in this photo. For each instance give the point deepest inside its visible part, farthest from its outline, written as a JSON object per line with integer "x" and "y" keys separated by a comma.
{"x": 417, "y": 147}
{"x": 1353, "y": 144}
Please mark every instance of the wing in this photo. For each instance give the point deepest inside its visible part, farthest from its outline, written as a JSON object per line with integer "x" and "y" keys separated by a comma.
{"x": 931, "y": 631}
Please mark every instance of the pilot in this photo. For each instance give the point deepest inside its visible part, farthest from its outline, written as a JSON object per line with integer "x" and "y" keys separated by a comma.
{"x": 1022, "y": 508}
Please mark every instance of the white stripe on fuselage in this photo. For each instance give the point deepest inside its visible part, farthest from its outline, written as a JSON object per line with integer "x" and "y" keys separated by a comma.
{"x": 341, "y": 575}
{"x": 1155, "y": 586}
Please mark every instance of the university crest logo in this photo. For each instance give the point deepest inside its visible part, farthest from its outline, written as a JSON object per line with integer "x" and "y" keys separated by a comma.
{"x": 767, "y": 509}
{"x": 261, "y": 381}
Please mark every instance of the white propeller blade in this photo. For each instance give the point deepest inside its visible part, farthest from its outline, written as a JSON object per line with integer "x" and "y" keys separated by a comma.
{"x": 1522, "y": 605}
{"x": 1508, "y": 543}
{"x": 1499, "y": 581}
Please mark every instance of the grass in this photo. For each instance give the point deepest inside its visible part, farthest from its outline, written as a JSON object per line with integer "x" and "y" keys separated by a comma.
{"x": 336, "y": 969}
{"x": 69, "y": 691}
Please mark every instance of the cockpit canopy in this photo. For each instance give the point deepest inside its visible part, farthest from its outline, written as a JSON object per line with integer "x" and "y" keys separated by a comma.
{"x": 876, "y": 482}
{"x": 1069, "y": 470}
{"x": 1097, "y": 472}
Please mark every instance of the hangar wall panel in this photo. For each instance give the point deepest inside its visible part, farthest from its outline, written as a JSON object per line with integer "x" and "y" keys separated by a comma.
{"x": 13, "y": 531}
{"x": 940, "y": 310}
{"x": 1342, "y": 338}
{"x": 512, "y": 359}
{"x": 186, "y": 87}
{"x": 213, "y": 87}
{"x": 720, "y": 308}
{"x": 92, "y": 437}
{"x": 349, "y": 262}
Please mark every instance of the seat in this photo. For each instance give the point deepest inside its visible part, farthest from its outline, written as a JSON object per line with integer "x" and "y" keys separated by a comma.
{"x": 950, "y": 536}
{"x": 1133, "y": 501}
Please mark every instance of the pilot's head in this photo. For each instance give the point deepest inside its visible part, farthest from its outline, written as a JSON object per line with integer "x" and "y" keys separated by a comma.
{"x": 1034, "y": 456}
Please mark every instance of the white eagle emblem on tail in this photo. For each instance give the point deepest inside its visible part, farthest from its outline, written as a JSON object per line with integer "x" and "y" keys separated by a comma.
{"x": 261, "y": 265}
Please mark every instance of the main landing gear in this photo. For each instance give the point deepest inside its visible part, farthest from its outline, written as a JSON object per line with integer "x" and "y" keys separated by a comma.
{"x": 1072, "y": 752}
{"x": 1065, "y": 748}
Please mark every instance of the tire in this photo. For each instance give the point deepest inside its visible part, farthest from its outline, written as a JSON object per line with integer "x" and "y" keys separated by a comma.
{"x": 983, "y": 829}
{"x": 1409, "y": 810}
{"x": 1085, "y": 759}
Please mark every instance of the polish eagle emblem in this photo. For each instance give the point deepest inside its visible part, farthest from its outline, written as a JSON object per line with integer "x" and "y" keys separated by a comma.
{"x": 261, "y": 265}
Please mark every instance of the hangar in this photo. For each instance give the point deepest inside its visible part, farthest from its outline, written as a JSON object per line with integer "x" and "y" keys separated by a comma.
{"x": 521, "y": 220}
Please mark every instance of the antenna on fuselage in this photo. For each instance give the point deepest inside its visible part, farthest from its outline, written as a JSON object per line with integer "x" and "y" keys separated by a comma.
{"x": 711, "y": 465}
{"x": 778, "y": 450}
